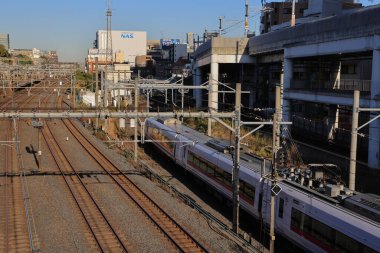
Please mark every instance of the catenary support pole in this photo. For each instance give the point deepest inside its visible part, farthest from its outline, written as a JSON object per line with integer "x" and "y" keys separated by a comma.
{"x": 276, "y": 142}
{"x": 273, "y": 182}
{"x": 96, "y": 82}
{"x": 236, "y": 168}
{"x": 96, "y": 91}
{"x": 293, "y": 20}
{"x": 354, "y": 140}
{"x": 136, "y": 118}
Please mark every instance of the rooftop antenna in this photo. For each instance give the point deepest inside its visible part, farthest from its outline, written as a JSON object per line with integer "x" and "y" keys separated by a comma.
{"x": 246, "y": 27}
{"x": 109, "y": 56}
{"x": 220, "y": 25}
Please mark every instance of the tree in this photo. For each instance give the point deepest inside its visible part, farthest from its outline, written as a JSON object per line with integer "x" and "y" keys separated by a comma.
{"x": 3, "y": 51}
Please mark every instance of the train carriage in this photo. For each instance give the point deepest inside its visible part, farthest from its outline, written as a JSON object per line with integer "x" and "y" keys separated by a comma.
{"x": 305, "y": 214}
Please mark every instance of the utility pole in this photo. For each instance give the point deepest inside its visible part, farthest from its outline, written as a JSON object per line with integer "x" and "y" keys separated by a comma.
{"x": 275, "y": 147}
{"x": 246, "y": 25}
{"x": 73, "y": 91}
{"x": 96, "y": 82}
{"x": 236, "y": 169}
{"x": 293, "y": 20}
{"x": 109, "y": 54}
{"x": 102, "y": 93}
{"x": 220, "y": 25}
{"x": 96, "y": 91}
{"x": 118, "y": 92}
{"x": 354, "y": 140}
{"x": 136, "y": 110}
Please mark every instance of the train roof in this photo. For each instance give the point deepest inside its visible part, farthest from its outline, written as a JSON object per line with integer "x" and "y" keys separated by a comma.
{"x": 249, "y": 161}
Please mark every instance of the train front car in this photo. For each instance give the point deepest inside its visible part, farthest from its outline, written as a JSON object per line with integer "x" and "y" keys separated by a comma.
{"x": 320, "y": 224}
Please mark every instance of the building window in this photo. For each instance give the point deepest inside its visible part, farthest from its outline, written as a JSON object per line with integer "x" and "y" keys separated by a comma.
{"x": 349, "y": 69}
{"x": 299, "y": 76}
{"x": 287, "y": 11}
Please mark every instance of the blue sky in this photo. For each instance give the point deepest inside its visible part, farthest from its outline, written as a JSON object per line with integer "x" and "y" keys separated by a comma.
{"x": 69, "y": 26}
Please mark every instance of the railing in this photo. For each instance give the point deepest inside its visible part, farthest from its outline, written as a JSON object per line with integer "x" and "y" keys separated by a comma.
{"x": 325, "y": 85}
{"x": 352, "y": 84}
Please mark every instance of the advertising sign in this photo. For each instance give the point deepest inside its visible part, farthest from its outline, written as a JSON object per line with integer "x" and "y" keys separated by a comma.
{"x": 166, "y": 43}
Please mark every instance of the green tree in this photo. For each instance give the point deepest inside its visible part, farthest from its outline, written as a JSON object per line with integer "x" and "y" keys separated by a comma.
{"x": 3, "y": 51}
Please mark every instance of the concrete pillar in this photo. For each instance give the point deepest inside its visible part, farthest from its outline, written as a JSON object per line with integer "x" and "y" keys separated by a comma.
{"x": 288, "y": 76}
{"x": 197, "y": 80}
{"x": 213, "y": 92}
{"x": 374, "y": 127}
{"x": 214, "y": 78}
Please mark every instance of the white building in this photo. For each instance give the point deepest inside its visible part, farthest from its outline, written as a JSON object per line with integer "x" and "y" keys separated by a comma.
{"x": 131, "y": 43}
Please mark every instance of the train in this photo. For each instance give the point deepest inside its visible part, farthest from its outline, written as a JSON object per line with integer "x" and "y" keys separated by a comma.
{"x": 313, "y": 210}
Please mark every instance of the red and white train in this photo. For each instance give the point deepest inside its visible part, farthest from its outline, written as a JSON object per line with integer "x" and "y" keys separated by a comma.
{"x": 312, "y": 211}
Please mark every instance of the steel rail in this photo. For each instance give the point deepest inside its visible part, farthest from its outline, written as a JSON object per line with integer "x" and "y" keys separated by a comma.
{"x": 58, "y": 154}
{"x": 106, "y": 163}
{"x": 105, "y": 114}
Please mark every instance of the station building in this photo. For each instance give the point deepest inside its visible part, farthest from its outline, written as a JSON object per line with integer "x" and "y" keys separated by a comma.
{"x": 318, "y": 63}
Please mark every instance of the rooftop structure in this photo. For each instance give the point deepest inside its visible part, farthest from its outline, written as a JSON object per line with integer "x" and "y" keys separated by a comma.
{"x": 4, "y": 40}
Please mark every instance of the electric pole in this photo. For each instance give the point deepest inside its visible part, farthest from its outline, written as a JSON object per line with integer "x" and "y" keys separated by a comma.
{"x": 246, "y": 27}
{"x": 137, "y": 90}
{"x": 96, "y": 90}
{"x": 235, "y": 173}
{"x": 275, "y": 147}
{"x": 354, "y": 140}
{"x": 220, "y": 25}
{"x": 293, "y": 21}
{"x": 109, "y": 54}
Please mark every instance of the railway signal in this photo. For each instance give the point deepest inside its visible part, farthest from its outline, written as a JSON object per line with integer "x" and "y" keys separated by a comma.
{"x": 39, "y": 125}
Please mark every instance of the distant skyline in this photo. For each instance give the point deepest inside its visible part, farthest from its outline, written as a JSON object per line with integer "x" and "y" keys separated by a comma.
{"x": 70, "y": 26}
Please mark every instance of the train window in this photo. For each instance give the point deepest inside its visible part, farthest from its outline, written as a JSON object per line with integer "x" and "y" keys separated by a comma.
{"x": 196, "y": 161}
{"x": 218, "y": 173}
{"x": 249, "y": 191}
{"x": 320, "y": 231}
{"x": 243, "y": 187}
{"x": 281, "y": 208}
{"x": 226, "y": 178}
{"x": 368, "y": 250}
{"x": 203, "y": 166}
{"x": 324, "y": 235}
{"x": 190, "y": 157}
{"x": 296, "y": 219}
{"x": 209, "y": 170}
{"x": 344, "y": 243}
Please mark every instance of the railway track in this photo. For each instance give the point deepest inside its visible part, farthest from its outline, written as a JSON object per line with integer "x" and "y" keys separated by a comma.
{"x": 14, "y": 236}
{"x": 104, "y": 236}
{"x": 20, "y": 95}
{"x": 107, "y": 239}
{"x": 175, "y": 233}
